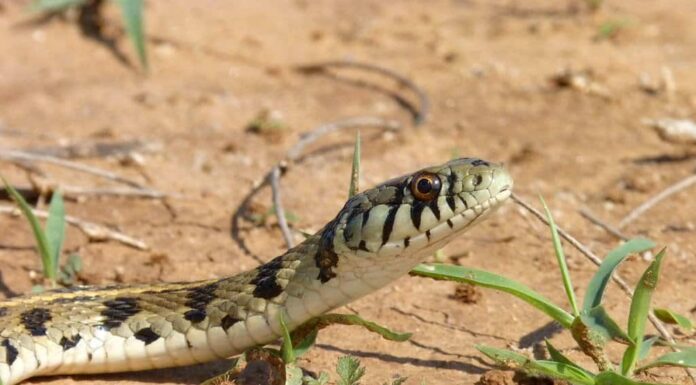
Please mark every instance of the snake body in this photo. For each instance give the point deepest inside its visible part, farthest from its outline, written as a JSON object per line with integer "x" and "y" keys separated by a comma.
{"x": 379, "y": 235}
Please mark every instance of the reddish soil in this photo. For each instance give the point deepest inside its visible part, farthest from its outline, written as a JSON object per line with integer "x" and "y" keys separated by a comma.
{"x": 487, "y": 67}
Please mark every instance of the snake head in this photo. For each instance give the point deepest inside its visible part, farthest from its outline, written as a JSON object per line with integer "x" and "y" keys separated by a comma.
{"x": 415, "y": 213}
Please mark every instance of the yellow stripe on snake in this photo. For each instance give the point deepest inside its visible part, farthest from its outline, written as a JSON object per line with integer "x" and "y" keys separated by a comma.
{"x": 378, "y": 236}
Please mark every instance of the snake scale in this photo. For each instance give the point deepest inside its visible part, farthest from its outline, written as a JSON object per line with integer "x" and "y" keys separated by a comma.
{"x": 378, "y": 236}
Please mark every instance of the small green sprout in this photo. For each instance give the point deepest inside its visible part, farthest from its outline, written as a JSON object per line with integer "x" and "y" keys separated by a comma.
{"x": 591, "y": 326}
{"x": 49, "y": 239}
{"x": 131, "y": 10}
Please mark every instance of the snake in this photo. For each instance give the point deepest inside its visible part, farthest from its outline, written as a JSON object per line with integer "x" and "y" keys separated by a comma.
{"x": 379, "y": 235}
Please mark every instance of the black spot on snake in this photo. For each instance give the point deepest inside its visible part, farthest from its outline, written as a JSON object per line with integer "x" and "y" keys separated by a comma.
{"x": 466, "y": 205}
{"x": 326, "y": 258}
{"x": 435, "y": 208}
{"x": 450, "y": 224}
{"x": 69, "y": 342}
{"x": 388, "y": 226}
{"x": 451, "y": 203}
{"x": 11, "y": 352}
{"x": 427, "y": 234}
{"x": 363, "y": 246}
{"x": 195, "y": 315}
{"x": 34, "y": 320}
{"x": 267, "y": 286}
{"x": 451, "y": 180}
{"x": 416, "y": 212}
{"x": 199, "y": 297}
{"x": 407, "y": 241}
{"x": 365, "y": 217}
{"x": 146, "y": 335}
{"x": 118, "y": 310}
{"x": 479, "y": 162}
{"x": 227, "y": 322}
{"x": 90, "y": 356}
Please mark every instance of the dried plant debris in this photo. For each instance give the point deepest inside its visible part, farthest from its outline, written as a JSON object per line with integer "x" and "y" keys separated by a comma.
{"x": 682, "y": 131}
{"x": 583, "y": 81}
{"x": 269, "y": 124}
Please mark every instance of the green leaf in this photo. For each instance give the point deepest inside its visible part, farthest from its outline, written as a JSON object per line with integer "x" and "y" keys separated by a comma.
{"x": 559, "y": 357}
{"x": 612, "y": 378}
{"x": 55, "y": 229}
{"x": 560, "y": 257}
{"x": 595, "y": 290}
{"x": 39, "y": 235}
{"x": 497, "y": 282}
{"x": 303, "y": 346}
{"x": 288, "y": 354}
{"x": 132, "y": 11}
{"x": 553, "y": 369}
{"x": 302, "y": 332}
{"x": 646, "y": 346}
{"x": 556, "y": 355}
{"x": 323, "y": 379}
{"x": 54, "y": 5}
{"x": 674, "y": 318}
{"x": 349, "y": 370}
{"x": 638, "y": 315}
{"x": 293, "y": 375}
{"x": 684, "y": 358}
{"x": 355, "y": 171}
{"x": 592, "y": 330}
{"x": 598, "y": 319}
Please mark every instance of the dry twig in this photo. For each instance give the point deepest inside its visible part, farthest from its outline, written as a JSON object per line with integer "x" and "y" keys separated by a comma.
{"x": 662, "y": 195}
{"x": 293, "y": 156}
{"x": 15, "y": 155}
{"x": 585, "y": 212}
{"x": 94, "y": 149}
{"x": 420, "y": 113}
{"x": 93, "y": 231}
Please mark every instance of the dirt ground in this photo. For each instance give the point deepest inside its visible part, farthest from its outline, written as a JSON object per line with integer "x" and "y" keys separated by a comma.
{"x": 488, "y": 68}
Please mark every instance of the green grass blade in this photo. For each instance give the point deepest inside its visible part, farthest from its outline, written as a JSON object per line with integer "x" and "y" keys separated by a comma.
{"x": 132, "y": 11}
{"x": 315, "y": 324}
{"x": 674, "y": 318}
{"x": 39, "y": 235}
{"x": 560, "y": 256}
{"x": 544, "y": 368}
{"x": 595, "y": 290}
{"x": 304, "y": 345}
{"x": 497, "y": 282}
{"x": 559, "y": 357}
{"x": 55, "y": 229}
{"x": 612, "y": 378}
{"x": 646, "y": 346}
{"x": 355, "y": 171}
{"x": 54, "y": 5}
{"x": 638, "y": 315}
{"x": 286, "y": 350}
{"x": 685, "y": 359}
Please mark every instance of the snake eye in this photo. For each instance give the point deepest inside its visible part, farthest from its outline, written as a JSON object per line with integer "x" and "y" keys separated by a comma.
{"x": 425, "y": 186}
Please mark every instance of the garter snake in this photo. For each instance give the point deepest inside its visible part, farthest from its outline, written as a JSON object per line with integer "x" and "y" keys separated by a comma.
{"x": 378, "y": 236}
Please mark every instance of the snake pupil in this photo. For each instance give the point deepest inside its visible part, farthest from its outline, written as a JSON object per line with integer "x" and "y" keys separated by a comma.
{"x": 424, "y": 186}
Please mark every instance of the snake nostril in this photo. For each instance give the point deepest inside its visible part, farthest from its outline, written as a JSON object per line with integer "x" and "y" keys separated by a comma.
{"x": 505, "y": 188}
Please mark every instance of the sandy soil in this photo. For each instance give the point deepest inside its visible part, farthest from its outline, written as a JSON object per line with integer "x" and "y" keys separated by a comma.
{"x": 488, "y": 68}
